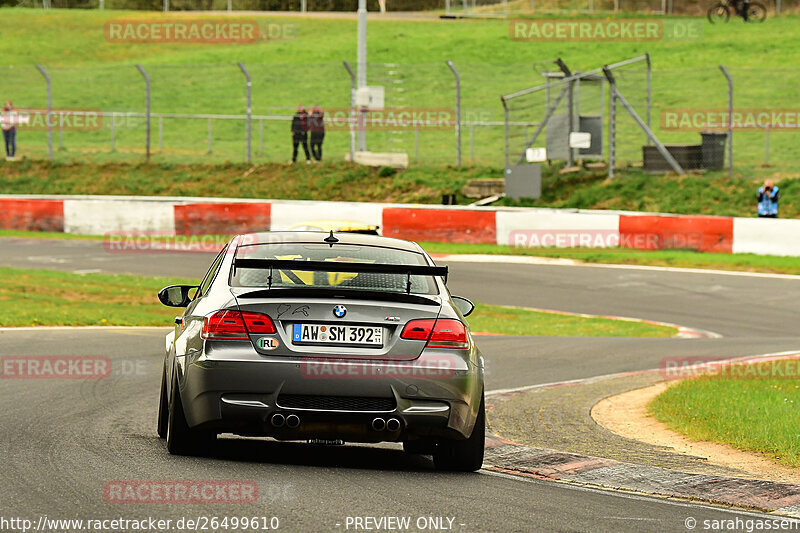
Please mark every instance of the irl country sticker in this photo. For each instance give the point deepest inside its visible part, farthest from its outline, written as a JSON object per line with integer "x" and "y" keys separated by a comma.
{"x": 267, "y": 343}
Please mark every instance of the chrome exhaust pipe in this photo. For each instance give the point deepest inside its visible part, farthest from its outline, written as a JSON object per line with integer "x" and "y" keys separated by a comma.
{"x": 277, "y": 420}
{"x": 392, "y": 424}
{"x": 379, "y": 424}
{"x": 292, "y": 421}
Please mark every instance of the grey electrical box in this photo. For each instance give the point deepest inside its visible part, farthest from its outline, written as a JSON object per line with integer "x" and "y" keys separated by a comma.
{"x": 594, "y": 126}
{"x": 524, "y": 181}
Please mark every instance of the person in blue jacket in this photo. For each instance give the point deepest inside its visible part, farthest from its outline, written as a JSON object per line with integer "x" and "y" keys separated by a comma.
{"x": 768, "y": 196}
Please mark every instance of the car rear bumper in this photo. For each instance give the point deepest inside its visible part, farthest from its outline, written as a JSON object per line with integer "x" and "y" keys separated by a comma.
{"x": 427, "y": 397}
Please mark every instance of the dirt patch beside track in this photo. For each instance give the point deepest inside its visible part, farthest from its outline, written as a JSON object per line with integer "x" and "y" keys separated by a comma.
{"x": 626, "y": 415}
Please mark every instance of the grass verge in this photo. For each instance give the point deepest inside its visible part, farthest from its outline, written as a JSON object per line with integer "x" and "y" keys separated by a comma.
{"x": 520, "y": 321}
{"x": 746, "y": 412}
{"x": 53, "y": 298}
{"x": 89, "y": 71}
{"x": 712, "y": 193}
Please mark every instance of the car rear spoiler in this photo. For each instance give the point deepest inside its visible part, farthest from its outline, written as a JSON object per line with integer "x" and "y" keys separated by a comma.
{"x": 340, "y": 266}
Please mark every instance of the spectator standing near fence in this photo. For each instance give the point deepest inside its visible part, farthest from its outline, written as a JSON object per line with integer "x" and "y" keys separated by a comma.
{"x": 317, "y": 130}
{"x": 300, "y": 133}
{"x": 768, "y": 196}
{"x": 9, "y": 125}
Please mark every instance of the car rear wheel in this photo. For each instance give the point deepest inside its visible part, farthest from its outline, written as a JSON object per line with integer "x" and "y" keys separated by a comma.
{"x": 163, "y": 408}
{"x": 464, "y": 455}
{"x": 181, "y": 439}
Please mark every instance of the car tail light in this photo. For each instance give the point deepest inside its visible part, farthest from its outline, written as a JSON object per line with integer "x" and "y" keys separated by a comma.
{"x": 440, "y": 333}
{"x": 228, "y": 324}
{"x": 418, "y": 330}
{"x": 258, "y": 323}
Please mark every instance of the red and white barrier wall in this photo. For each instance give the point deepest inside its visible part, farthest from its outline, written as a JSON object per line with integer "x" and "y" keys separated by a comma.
{"x": 101, "y": 215}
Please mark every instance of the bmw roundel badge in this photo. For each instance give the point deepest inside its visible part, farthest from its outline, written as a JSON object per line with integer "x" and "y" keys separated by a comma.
{"x": 339, "y": 311}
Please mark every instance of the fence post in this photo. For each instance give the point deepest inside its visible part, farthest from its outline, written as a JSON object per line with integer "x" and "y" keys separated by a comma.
{"x": 361, "y": 70}
{"x": 649, "y": 90}
{"x": 113, "y": 143}
{"x": 261, "y": 136}
{"x": 352, "y": 110}
{"x": 161, "y": 134}
{"x": 612, "y": 127}
{"x": 505, "y": 134}
{"x": 659, "y": 145}
{"x": 766, "y": 145}
{"x": 570, "y": 109}
{"x": 249, "y": 108}
{"x": 166, "y": 6}
{"x": 147, "y": 109}
{"x": 44, "y": 73}
{"x": 730, "y": 119}
{"x": 230, "y": 6}
{"x": 210, "y": 146}
{"x": 458, "y": 111}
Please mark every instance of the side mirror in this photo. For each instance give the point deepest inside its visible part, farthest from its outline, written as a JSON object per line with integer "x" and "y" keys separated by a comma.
{"x": 176, "y": 295}
{"x": 465, "y": 306}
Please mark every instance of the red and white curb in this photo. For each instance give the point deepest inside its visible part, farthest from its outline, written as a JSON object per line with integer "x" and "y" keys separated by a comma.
{"x": 509, "y": 457}
{"x": 101, "y": 215}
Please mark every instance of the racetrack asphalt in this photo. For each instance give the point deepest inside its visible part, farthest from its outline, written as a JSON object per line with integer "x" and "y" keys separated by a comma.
{"x": 64, "y": 439}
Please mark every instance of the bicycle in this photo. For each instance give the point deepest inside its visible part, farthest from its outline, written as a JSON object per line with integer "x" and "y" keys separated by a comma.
{"x": 721, "y": 11}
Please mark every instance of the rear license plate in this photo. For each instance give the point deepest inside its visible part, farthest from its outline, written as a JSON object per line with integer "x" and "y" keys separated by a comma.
{"x": 329, "y": 334}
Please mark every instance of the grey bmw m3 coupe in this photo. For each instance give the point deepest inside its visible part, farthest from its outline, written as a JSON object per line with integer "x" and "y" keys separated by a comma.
{"x": 324, "y": 338}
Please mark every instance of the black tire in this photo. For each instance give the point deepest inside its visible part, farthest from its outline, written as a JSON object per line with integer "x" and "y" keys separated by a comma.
{"x": 464, "y": 455}
{"x": 181, "y": 439}
{"x": 718, "y": 12}
{"x": 163, "y": 408}
{"x": 757, "y": 12}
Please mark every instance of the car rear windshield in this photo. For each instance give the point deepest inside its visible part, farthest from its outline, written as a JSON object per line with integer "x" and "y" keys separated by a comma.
{"x": 259, "y": 277}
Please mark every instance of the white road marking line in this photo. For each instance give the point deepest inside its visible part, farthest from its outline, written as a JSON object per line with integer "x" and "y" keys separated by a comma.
{"x": 604, "y": 377}
{"x": 635, "y": 496}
